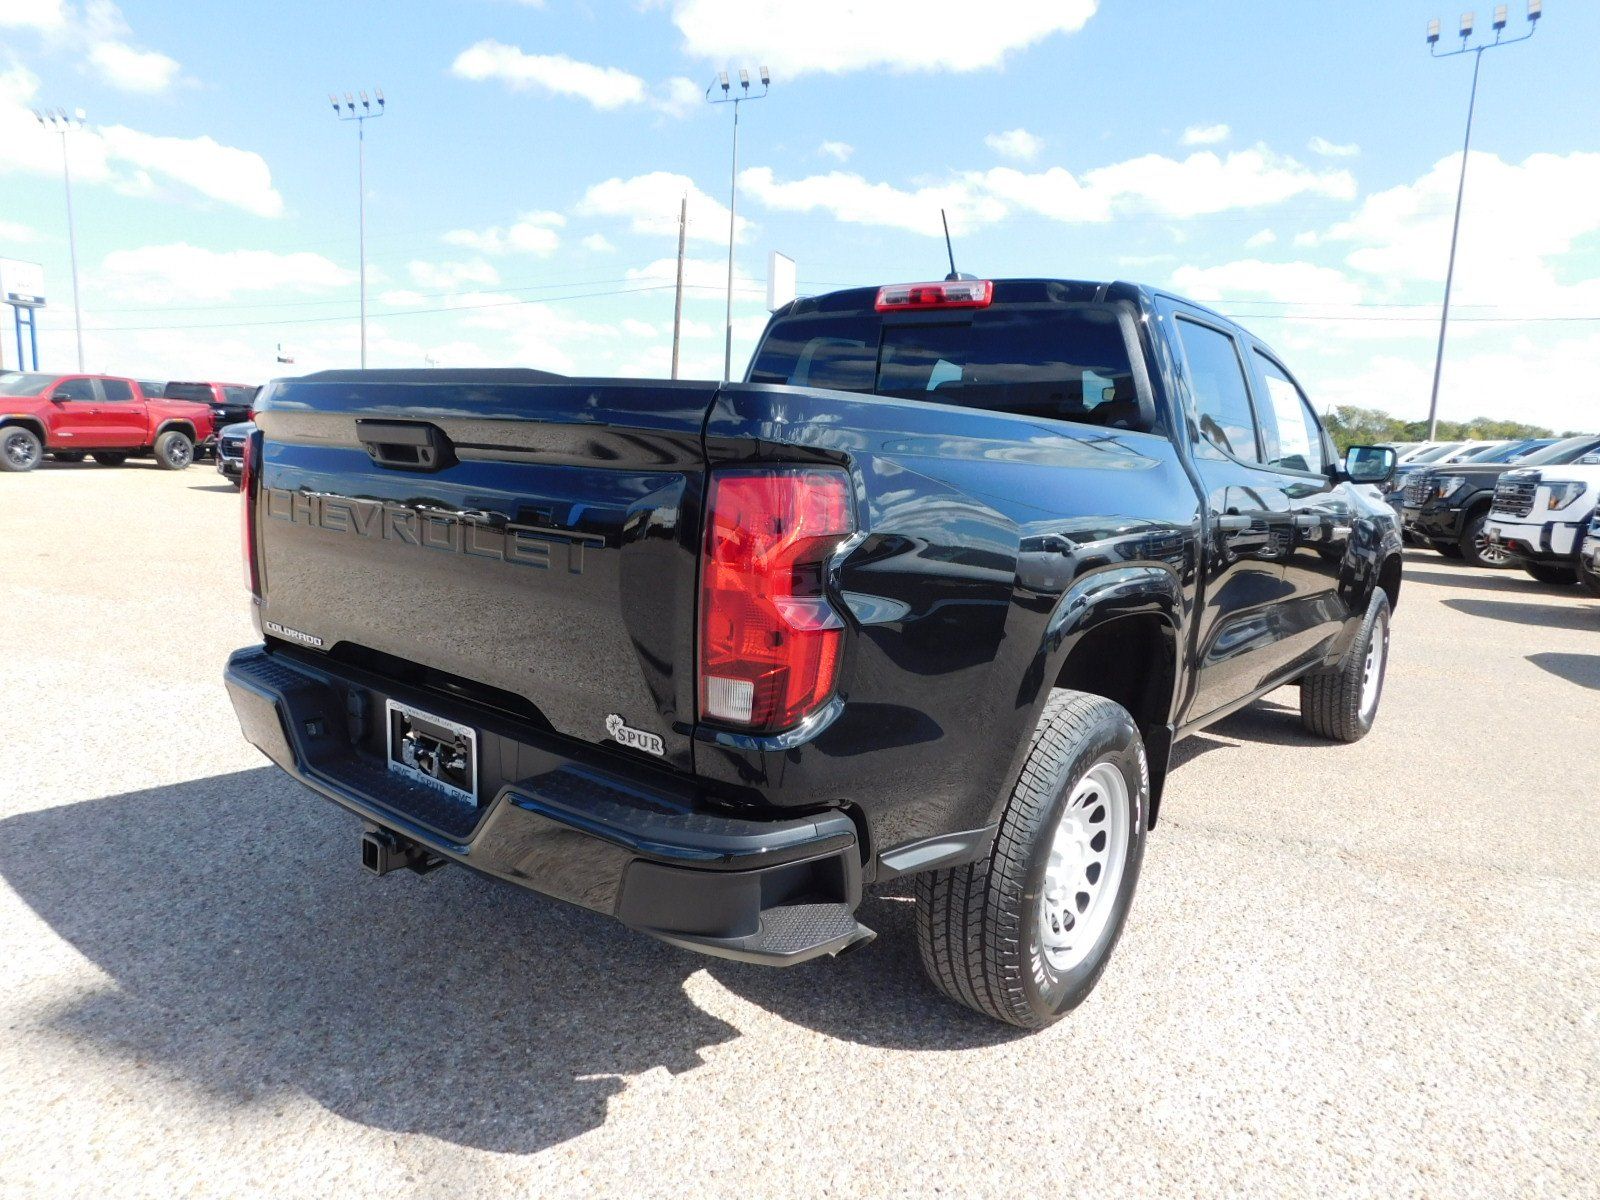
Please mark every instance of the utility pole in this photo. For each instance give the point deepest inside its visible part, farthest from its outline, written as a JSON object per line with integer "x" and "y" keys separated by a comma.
{"x": 1535, "y": 11}
{"x": 677, "y": 301}
{"x": 736, "y": 99}
{"x": 349, "y": 112}
{"x": 63, "y": 124}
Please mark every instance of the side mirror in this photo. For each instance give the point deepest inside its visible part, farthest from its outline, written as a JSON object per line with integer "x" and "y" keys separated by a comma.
{"x": 1589, "y": 460}
{"x": 1370, "y": 464}
{"x": 60, "y": 397}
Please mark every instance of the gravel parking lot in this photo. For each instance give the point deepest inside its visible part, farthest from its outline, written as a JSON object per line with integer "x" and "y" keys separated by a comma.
{"x": 1365, "y": 970}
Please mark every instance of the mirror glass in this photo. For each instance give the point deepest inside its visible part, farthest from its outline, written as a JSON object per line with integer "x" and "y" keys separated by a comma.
{"x": 1370, "y": 464}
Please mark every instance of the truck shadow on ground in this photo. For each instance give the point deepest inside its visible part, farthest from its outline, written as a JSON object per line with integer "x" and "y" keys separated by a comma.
{"x": 1552, "y": 616}
{"x": 250, "y": 956}
{"x": 1581, "y": 669}
{"x": 1270, "y": 722}
{"x": 1505, "y": 582}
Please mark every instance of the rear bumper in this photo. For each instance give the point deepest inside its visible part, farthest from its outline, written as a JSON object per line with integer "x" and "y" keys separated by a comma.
{"x": 776, "y": 891}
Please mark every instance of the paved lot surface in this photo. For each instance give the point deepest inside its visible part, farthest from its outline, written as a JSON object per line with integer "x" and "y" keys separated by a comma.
{"x": 1368, "y": 970}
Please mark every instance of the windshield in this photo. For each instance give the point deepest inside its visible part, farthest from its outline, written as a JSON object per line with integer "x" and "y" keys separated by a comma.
{"x": 24, "y": 385}
{"x": 1438, "y": 452}
{"x": 1486, "y": 453}
{"x": 1562, "y": 452}
{"x": 1066, "y": 361}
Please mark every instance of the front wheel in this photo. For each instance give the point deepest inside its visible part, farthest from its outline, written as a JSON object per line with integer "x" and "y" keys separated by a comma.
{"x": 1478, "y": 550}
{"x": 108, "y": 459}
{"x": 174, "y": 451}
{"x": 1589, "y": 577}
{"x": 1024, "y": 935}
{"x": 20, "y": 448}
{"x": 1552, "y": 573}
{"x": 1341, "y": 702}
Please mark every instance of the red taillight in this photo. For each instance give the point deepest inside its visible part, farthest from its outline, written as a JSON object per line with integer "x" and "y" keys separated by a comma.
{"x": 247, "y": 508}
{"x": 952, "y": 293}
{"x": 769, "y": 640}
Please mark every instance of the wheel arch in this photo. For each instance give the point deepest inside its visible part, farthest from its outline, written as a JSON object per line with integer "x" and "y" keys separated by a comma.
{"x": 33, "y": 424}
{"x": 1118, "y": 634}
{"x": 175, "y": 425}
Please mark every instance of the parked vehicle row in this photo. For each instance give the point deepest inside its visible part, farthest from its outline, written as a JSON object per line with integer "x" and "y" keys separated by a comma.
{"x": 1543, "y": 513}
{"x": 110, "y": 418}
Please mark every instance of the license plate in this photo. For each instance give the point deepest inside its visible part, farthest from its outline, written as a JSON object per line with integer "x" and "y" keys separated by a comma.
{"x": 433, "y": 751}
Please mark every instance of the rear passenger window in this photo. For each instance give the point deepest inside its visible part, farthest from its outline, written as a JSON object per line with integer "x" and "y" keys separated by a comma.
{"x": 1221, "y": 397}
{"x": 116, "y": 389}
{"x": 1291, "y": 433}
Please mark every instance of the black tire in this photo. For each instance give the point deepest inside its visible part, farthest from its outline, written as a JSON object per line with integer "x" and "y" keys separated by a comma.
{"x": 68, "y": 456}
{"x": 1552, "y": 573}
{"x": 174, "y": 451}
{"x": 1333, "y": 702}
{"x": 1475, "y": 548}
{"x": 20, "y": 448}
{"x": 979, "y": 925}
{"x": 1589, "y": 577}
{"x": 107, "y": 458}
{"x": 1448, "y": 549}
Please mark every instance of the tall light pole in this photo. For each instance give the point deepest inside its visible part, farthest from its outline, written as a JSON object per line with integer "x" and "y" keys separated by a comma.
{"x": 1535, "y": 11}
{"x": 63, "y": 124}
{"x": 734, "y": 98}
{"x": 349, "y": 112}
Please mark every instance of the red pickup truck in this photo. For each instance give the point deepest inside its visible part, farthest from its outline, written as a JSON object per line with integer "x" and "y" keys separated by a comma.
{"x": 107, "y": 416}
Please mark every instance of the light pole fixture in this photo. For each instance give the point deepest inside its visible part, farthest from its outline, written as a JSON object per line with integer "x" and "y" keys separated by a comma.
{"x": 58, "y": 121}
{"x": 1468, "y": 20}
{"x": 735, "y": 98}
{"x": 348, "y": 111}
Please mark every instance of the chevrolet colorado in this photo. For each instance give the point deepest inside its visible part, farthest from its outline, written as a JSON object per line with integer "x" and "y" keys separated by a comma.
{"x": 107, "y": 416}
{"x": 930, "y": 593}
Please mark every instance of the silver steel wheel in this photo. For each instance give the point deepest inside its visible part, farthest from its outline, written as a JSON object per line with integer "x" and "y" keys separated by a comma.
{"x": 1488, "y": 553}
{"x": 179, "y": 452}
{"x": 1372, "y": 669}
{"x": 21, "y": 449}
{"x": 1084, "y": 870}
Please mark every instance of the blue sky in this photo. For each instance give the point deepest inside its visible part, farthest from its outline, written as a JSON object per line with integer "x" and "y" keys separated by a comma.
{"x": 1293, "y": 164}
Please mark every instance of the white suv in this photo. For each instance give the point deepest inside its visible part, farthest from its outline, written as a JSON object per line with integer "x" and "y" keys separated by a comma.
{"x": 1540, "y": 515}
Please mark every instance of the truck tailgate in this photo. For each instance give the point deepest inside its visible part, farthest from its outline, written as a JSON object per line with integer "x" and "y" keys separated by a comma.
{"x": 545, "y": 564}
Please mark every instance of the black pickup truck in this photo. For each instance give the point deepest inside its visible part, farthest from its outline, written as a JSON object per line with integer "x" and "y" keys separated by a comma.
{"x": 930, "y": 593}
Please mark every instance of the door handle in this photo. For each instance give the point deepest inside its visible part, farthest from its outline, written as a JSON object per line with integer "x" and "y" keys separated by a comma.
{"x": 1308, "y": 520}
{"x": 1233, "y": 522}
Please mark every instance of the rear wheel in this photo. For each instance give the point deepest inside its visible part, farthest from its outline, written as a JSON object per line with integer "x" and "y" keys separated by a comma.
{"x": 68, "y": 456}
{"x": 174, "y": 451}
{"x": 1552, "y": 573}
{"x": 20, "y": 448}
{"x": 1478, "y": 550}
{"x": 1024, "y": 935}
{"x": 1341, "y": 702}
{"x": 108, "y": 459}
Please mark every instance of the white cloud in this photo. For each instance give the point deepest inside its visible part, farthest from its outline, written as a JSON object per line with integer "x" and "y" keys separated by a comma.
{"x": 12, "y": 231}
{"x": 638, "y": 329}
{"x": 1015, "y": 143}
{"x": 678, "y": 97}
{"x": 181, "y": 272}
{"x": 1205, "y": 135}
{"x": 1199, "y": 185}
{"x": 604, "y": 87}
{"x": 1519, "y": 224}
{"x": 1253, "y": 279}
{"x": 650, "y": 205}
{"x": 133, "y": 162}
{"x": 1308, "y": 238}
{"x": 849, "y": 197}
{"x": 1264, "y": 237}
{"x": 1321, "y": 145}
{"x": 442, "y": 277}
{"x": 43, "y": 15}
{"x": 597, "y": 243}
{"x": 704, "y": 275}
{"x": 837, "y": 36}
{"x": 838, "y": 151}
{"x": 131, "y": 69}
{"x": 531, "y": 233}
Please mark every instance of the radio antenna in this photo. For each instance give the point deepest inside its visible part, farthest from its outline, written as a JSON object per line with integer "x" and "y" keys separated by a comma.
{"x": 954, "y": 274}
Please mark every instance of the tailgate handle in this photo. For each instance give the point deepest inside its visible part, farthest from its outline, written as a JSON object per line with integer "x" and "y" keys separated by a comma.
{"x": 406, "y": 445}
